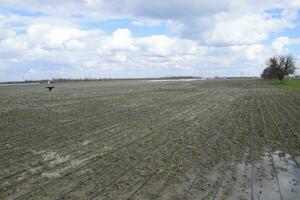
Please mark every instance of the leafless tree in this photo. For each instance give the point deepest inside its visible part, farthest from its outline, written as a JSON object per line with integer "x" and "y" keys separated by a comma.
{"x": 278, "y": 67}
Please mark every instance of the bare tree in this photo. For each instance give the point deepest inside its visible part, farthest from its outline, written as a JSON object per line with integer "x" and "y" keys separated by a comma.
{"x": 278, "y": 67}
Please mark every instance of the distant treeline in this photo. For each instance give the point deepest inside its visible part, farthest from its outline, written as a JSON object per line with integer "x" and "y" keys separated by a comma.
{"x": 96, "y": 79}
{"x": 116, "y": 79}
{"x": 57, "y": 80}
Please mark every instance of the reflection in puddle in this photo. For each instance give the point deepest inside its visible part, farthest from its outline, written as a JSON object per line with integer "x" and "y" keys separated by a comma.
{"x": 266, "y": 186}
{"x": 288, "y": 175}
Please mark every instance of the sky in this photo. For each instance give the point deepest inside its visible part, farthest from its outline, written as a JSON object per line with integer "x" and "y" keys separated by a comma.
{"x": 138, "y": 38}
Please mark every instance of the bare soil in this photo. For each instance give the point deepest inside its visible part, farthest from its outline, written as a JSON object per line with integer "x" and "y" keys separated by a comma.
{"x": 204, "y": 139}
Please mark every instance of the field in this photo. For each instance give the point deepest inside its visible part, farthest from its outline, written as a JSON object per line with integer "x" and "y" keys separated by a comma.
{"x": 206, "y": 139}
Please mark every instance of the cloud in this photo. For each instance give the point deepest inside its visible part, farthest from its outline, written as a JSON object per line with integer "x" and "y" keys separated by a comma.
{"x": 87, "y": 51}
{"x": 55, "y": 37}
{"x": 121, "y": 40}
{"x": 52, "y": 36}
{"x": 233, "y": 29}
{"x": 211, "y": 22}
{"x": 169, "y": 9}
{"x": 280, "y": 44}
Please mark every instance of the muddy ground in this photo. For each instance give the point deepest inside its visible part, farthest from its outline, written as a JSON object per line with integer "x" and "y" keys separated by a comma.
{"x": 214, "y": 139}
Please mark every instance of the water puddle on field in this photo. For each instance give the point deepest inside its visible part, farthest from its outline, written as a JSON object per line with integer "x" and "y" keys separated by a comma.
{"x": 265, "y": 182}
{"x": 288, "y": 175}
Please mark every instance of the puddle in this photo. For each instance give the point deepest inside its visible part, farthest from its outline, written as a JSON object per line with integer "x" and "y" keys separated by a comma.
{"x": 288, "y": 175}
{"x": 172, "y": 80}
{"x": 265, "y": 181}
{"x": 241, "y": 186}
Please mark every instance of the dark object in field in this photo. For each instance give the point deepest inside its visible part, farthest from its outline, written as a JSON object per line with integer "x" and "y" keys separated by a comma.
{"x": 50, "y": 88}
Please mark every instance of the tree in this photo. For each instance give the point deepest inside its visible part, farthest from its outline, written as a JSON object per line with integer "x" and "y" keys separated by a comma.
{"x": 278, "y": 67}
{"x": 268, "y": 74}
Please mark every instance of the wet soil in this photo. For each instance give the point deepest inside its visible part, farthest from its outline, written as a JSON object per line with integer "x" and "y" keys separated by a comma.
{"x": 206, "y": 139}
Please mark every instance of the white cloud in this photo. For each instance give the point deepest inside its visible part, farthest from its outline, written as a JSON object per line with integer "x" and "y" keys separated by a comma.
{"x": 75, "y": 44}
{"x": 256, "y": 52}
{"x": 206, "y": 35}
{"x": 121, "y": 40}
{"x": 32, "y": 71}
{"x": 120, "y": 57}
{"x": 123, "y": 52}
{"x": 13, "y": 43}
{"x": 228, "y": 22}
{"x": 246, "y": 29}
{"x": 157, "y": 45}
{"x": 280, "y": 44}
{"x": 52, "y": 36}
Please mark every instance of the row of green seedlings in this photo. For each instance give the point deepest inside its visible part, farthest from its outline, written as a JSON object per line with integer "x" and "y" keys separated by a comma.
{"x": 41, "y": 139}
{"x": 279, "y": 131}
{"x": 123, "y": 173}
{"x": 63, "y": 145}
{"x": 98, "y": 157}
{"x": 204, "y": 163}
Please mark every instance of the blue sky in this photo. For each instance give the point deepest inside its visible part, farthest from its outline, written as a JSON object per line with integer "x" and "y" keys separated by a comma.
{"x": 138, "y": 38}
